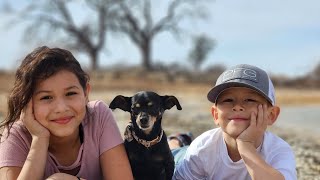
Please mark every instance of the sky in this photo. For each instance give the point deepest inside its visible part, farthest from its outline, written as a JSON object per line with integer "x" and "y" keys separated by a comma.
{"x": 282, "y": 37}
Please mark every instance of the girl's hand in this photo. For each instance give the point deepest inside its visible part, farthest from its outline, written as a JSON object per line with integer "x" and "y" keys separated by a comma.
{"x": 33, "y": 126}
{"x": 63, "y": 176}
{"x": 258, "y": 125}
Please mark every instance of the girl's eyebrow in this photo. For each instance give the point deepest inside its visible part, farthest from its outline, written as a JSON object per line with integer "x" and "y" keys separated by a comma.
{"x": 72, "y": 87}
{"x": 48, "y": 91}
{"x": 43, "y": 91}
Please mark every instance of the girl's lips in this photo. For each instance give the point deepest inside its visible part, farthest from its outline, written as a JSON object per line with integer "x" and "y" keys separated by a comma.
{"x": 62, "y": 120}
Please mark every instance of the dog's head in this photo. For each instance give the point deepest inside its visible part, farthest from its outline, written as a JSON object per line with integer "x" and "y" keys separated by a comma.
{"x": 146, "y": 108}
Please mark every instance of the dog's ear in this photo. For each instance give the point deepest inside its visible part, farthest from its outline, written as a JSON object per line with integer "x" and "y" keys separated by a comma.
{"x": 170, "y": 101}
{"x": 121, "y": 102}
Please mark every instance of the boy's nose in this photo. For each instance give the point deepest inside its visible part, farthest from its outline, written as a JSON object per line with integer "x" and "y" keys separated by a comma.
{"x": 238, "y": 107}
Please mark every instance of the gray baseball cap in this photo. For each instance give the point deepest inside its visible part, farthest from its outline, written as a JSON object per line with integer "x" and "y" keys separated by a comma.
{"x": 244, "y": 75}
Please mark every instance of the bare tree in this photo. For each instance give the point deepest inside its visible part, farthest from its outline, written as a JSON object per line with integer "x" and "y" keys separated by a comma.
{"x": 136, "y": 21}
{"x": 56, "y": 16}
{"x": 202, "y": 45}
{"x": 315, "y": 73}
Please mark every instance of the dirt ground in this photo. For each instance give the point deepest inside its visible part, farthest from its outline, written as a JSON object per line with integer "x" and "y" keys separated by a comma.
{"x": 195, "y": 115}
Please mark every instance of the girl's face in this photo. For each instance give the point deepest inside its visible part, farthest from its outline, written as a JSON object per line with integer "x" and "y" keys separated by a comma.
{"x": 233, "y": 109}
{"x": 59, "y": 103}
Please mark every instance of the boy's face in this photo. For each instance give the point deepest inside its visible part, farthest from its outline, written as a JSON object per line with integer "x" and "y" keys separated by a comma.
{"x": 233, "y": 109}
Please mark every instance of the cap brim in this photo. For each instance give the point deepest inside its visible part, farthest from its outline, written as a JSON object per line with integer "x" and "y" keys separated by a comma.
{"x": 217, "y": 90}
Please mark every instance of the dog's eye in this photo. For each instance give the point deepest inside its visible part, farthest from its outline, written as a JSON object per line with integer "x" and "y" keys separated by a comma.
{"x": 150, "y": 103}
{"x": 154, "y": 112}
{"x": 135, "y": 111}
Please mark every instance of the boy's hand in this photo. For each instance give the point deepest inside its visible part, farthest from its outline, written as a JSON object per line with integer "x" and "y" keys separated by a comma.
{"x": 33, "y": 126}
{"x": 258, "y": 124}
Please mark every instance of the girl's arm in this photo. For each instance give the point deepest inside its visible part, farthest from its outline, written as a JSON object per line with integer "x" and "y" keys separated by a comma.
{"x": 63, "y": 176}
{"x": 35, "y": 163}
{"x": 7, "y": 173}
{"x": 115, "y": 164}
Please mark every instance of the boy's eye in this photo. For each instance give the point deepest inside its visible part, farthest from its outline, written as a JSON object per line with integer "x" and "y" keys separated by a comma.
{"x": 250, "y": 100}
{"x": 227, "y": 100}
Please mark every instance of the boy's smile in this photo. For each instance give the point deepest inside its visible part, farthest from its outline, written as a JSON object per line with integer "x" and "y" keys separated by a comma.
{"x": 236, "y": 118}
{"x": 234, "y": 107}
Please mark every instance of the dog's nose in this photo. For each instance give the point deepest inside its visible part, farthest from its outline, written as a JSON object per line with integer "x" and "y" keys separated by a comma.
{"x": 144, "y": 119}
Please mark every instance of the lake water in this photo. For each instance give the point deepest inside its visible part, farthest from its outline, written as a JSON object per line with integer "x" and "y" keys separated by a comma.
{"x": 305, "y": 118}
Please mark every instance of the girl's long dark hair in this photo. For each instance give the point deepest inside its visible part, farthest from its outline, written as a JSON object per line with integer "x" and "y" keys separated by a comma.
{"x": 40, "y": 64}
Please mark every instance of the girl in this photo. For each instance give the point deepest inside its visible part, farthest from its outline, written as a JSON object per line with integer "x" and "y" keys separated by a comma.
{"x": 52, "y": 130}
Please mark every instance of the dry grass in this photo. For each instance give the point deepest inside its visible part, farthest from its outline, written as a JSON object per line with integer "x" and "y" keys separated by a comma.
{"x": 195, "y": 115}
{"x": 106, "y": 86}
{"x": 287, "y": 96}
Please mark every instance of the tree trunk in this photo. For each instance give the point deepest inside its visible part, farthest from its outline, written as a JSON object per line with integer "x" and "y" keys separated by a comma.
{"x": 146, "y": 55}
{"x": 94, "y": 61}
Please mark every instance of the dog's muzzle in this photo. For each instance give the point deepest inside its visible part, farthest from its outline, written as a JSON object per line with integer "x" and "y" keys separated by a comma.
{"x": 144, "y": 119}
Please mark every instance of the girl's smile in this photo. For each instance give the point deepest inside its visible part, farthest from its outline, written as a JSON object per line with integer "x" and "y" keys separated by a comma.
{"x": 59, "y": 103}
{"x": 63, "y": 120}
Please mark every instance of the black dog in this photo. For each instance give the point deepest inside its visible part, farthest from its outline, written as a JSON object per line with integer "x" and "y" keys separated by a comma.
{"x": 145, "y": 141}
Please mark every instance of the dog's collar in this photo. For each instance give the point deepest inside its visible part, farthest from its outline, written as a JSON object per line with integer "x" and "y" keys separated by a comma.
{"x": 129, "y": 134}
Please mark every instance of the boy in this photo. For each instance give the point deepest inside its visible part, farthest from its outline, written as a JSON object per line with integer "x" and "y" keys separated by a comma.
{"x": 244, "y": 104}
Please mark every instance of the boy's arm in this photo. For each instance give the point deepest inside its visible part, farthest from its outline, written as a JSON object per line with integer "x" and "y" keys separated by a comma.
{"x": 190, "y": 167}
{"x": 249, "y": 140}
{"x": 256, "y": 166}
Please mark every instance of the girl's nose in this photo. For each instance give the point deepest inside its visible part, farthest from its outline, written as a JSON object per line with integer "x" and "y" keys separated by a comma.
{"x": 61, "y": 106}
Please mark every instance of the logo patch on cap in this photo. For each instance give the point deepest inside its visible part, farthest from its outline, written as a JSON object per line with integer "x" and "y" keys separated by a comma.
{"x": 240, "y": 73}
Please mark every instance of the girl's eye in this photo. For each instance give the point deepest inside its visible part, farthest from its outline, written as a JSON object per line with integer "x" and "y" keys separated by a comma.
{"x": 45, "y": 98}
{"x": 71, "y": 93}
